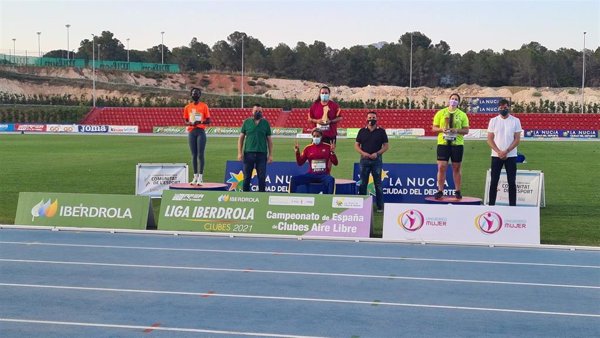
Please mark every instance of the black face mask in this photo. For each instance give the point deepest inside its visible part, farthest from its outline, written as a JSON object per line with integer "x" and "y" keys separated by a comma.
{"x": 504, "y": 112}
{"x": 372, "y": 122}
{"x": 258, "y": 115}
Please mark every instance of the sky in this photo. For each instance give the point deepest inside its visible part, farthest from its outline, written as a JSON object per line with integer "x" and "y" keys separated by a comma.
{"x": 464, "y": 25}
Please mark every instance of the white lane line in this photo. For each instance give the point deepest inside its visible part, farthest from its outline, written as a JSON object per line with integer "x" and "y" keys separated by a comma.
{"x": 304, "y": 254}
{"x": 306, "y": 273}
{"x": 153, "y": 328}
{"x": 315, "y": 300}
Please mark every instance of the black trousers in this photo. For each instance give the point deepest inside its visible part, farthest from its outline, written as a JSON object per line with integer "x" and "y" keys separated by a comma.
{"x": 510, "y": 164}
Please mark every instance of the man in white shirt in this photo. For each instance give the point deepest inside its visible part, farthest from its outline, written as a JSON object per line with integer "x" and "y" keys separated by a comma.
{"x": 504, "y": 135}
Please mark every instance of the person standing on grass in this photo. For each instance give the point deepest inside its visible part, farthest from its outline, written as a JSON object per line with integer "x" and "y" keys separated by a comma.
{"x": 196, "y": 116}
{"x": 371, "y": 143}
{"x": 504, "y": 135}
{"x": 326, "y": 115}
{"x": 255, "y": 148}
{"x": 451, "y": 124}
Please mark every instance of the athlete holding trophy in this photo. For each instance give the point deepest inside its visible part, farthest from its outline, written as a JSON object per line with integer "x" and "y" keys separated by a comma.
{"x": 451, "y": 124}
{"x": 325, "y": 114}
{"x": 196, "y": 117}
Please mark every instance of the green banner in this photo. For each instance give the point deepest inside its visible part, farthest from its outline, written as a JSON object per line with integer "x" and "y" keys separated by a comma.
{"x": 276, "y": 131}
{"x": 265, "y": 213}
{"x": 84, "y": 210}
{"x": 352, "y": 132}
{"x": 169, "y": 130}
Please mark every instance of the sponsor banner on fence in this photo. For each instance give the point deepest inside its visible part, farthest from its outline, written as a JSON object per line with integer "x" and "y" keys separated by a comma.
{"x": 7, "y": 127}
{"x": 169, "y": 130}
{"x": 89, "y": 128}
{"x": 483, "y": 104}
{"x": 407, "y": 182}
{"x": 152, "y": 178}
{"x": 222, "y": 130}
{"x": 582, "y": 133}
{"x": 561, "y": 133}
{"x": 462, "y": 223}
{"x": 530, "y": 188}
{"x": 285, "y": 131}
{"x": 278, "y": 176}
{"x": 61, "y": 128}
{"x": 265, "y": 213}
{"x": 123, "y": 129}
{"x": 405, "y": 133}
{"x": 30, "y": 127}
{"x": 84, "y": 210}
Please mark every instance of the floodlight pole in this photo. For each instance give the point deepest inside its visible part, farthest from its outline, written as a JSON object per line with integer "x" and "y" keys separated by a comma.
{"x": 39, "y": 48}
{"x": 93, "y": 72}
{"x": 410, "y": 74}
{"x": 583, "y": 78}
{"x": 67, "y": 25}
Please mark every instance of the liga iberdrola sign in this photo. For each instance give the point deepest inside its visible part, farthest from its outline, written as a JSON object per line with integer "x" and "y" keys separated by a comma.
{"x": 84, "y": 210}
{"x": 266, "y": 213}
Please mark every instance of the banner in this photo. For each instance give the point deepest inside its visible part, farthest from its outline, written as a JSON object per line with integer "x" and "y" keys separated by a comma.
{"x": 265, "y": 213}
{"x": 483, "y": 104}
{"x": 530, "y": 188}
{"x": 123, "y": 129}
{"x": 169, "y": 130}
{"x": 61, "y": 128}
{"x": 407, "y": 182}
{"x": 7, "y": 127}
{"x": 89, "y": 128}
{"x": 152, "y": 178}
{"x": 278, "y": 176}
{"x": 30, "y": 127}
{"x": 405, "y": 133}
{"x": 84, "y": 210}
{"x": 462, "y": 223}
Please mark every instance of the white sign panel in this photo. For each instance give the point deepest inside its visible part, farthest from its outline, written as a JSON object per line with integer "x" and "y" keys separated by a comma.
{"x": 530, "y": 188}
{"x": 462, "y": 223}
{"x": 153, "y": 178}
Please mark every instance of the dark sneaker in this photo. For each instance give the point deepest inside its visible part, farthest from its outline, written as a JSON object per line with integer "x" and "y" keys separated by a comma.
{"x": 458, "y": 195}
{"x": 438, "y": 195}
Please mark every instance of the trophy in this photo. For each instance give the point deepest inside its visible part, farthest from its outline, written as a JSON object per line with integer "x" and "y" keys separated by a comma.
{"x": 195, "y": 117}
{"x": 324, "y": 125}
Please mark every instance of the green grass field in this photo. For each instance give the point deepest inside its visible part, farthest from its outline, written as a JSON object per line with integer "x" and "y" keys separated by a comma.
{"x": 106, "y": 164}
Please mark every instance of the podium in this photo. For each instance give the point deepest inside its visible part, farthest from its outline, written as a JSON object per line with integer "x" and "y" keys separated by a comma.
{"x": 205, "y": 186}
{"x": 466, "y": 200}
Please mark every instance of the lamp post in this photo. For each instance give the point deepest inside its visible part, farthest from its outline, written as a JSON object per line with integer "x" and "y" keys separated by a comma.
{"x": 410, "y": 74}
{"x": 162, "y": 47}
{"x": 242, "y": 79}
{"x": 39, "y": 48}
{"x": 14, "y": 50}
{"x": 68, "y": 26}
{"x": 93, "y": 72}
{"x": 583, "y": 77}
{"x": 99, "y": 54}
{"x": 127, "y": 49}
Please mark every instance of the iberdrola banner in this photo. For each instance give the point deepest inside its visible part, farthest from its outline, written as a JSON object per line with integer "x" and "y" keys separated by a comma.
{"x": 84, "y": 210}
{"x": 266, "y": 213}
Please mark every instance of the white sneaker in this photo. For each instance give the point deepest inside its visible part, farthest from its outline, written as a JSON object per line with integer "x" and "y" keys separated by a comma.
{"x": 199, "y": 180}
{"x": 195, "y": 180}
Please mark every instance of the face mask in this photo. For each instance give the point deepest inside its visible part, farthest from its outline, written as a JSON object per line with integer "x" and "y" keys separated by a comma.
{"x": 257, "y": 115}
{"x": 453, "y": 103}
{"x": 316, "y": 140}
{"x": 325, "y": 97}
{"x": 372, "y": 122}
{"x": 504, "y": 112}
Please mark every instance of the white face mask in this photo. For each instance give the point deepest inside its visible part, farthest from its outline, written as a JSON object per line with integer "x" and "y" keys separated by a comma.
{"x": 316, "y": 140}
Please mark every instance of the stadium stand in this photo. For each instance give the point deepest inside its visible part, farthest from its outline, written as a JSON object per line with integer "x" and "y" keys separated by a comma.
{"x": 148, "y": 117}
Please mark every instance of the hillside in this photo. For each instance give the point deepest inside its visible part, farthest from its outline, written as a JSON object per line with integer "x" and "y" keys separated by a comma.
{"x": 77, "y": 82}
